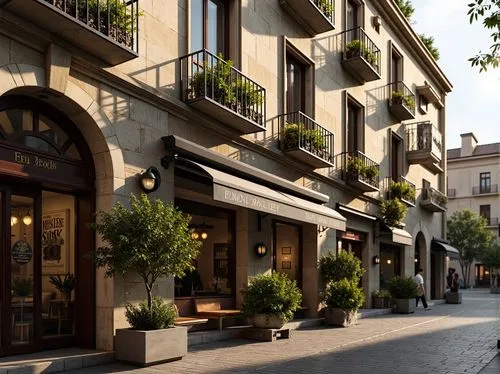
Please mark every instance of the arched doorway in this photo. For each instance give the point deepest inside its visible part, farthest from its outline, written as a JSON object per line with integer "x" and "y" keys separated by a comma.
{"x": 47, "y": 293}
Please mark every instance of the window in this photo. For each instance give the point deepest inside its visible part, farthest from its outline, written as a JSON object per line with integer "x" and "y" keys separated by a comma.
{"x": 295, "y": 85}
{"x": 298, "y": 81}
{"x": 396, "y": 65}
{"x": 485, "y": 182}
{"x": 396, "y": 156}
{"x": 209, "y": 26}
{"x": 353, "y": 14}
{"x": 485, "y": 211}
{"x": 423, "y": 104}
{"x": 354, "y": 128}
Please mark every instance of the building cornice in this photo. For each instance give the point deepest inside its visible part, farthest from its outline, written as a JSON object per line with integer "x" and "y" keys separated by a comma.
{"x": 472, "y": 158}
{"x": 400, "y": 25}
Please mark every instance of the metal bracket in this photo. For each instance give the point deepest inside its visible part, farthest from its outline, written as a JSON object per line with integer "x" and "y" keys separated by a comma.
{"x": 168, "y": 158}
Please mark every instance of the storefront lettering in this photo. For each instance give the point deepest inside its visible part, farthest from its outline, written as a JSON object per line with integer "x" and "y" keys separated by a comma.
{"x": 249, "y": 201}
{"x": 24, "y": 159}
{"x": 316, "y": 218}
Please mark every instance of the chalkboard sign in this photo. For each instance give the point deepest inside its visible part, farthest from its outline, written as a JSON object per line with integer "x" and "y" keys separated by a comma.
{"x": 22, "y": 252}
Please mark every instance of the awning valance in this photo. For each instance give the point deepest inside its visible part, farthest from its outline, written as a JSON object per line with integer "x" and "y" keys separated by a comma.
{"x": 401, "y": 236}
{"x": 233, "y": 190}
{"x": 450, "y": 251}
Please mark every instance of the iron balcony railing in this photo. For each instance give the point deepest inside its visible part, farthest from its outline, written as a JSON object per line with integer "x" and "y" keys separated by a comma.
{"x": 327, "y": 8}
{"x": 298, "y": 131}
{"x": 357, "y": 166}
{"x": 356, "y": 43}
{"x": 403, "y": 189}
{"x": 434, "y": 196}
{"x": 424, "y": 136}
{"x": 478, "y": 190}
{"x": 452, "y": 192}
{"x": 492, "y": 221}
{"x": 204, "y": 75}
{"x": 402, "y": 95}
{"x": 115, "y": 19}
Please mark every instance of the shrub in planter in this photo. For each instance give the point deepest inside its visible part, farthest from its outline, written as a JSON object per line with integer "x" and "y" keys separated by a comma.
{"x": 343, "y": 298}
{"x": 345, "y": 265}
{"x": 152, "y": 239}
{"x": 356, "y": 48}
{"x": 64, "y": 285}
{"x": 213, "y": 82}
{"x": 393, "y": 212}
{"x": 22, "y": 287}
{"x": 271, "y": 300}
{"x": 296, "y": 134}
{"x": 381, "y": 298}
{"x": 370, "y": 173}
{"x": 404, "y": 291}
{"x": 355, "y": 166}
{"x": 326, "y": 7}
{"x": 402, "y": 190}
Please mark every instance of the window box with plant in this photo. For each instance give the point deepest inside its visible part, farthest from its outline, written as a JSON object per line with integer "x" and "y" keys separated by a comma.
{"x": 404, "y": 292}
{"x": 315, "y": 16}
{"x": 402, "y": 102}
{"x": 361, "y": 172}
{"x": 361, "y": 57}
{"x": 403, "y": 190}
{"x": 270, "y": 300}
{"x": 107, "y": 29}
{"x": 393, "y": 212}
{"x": 215, "y": 87}
{"x": 302, "y": 138}
{"x": 153, "y": 240}
{"x": 342, "y": 295}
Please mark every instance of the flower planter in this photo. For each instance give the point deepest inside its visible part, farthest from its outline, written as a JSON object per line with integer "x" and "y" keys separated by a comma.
{"x": 340, "y": 317}
{"x": 146, "y": 348}
{"x": 453, "y": 298}
{"x": 265, "y": 321}
{"x": 378, "y": 302}
{"x": 405, "y": 306}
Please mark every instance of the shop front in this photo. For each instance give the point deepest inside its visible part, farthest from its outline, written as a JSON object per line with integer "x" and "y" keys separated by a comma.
{"x": 47, "y": 294}
{"x": 250, "y": 222}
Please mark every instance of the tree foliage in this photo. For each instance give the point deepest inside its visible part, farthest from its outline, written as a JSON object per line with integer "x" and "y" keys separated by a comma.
{"x": 429, "y": 43}
{"x": 489, "y": 12}
{"x": 150, "y": 238}
{"x": 468, "y": 233}
{"x": 406, "y": 8}
{"x": 345, "y": 265}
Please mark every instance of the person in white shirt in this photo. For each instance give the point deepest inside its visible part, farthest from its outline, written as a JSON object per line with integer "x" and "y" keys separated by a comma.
{"x": 419, "y": 279}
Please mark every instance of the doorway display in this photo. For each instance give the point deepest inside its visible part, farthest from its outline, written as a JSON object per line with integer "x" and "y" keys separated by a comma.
{"x": 287, "y": 251}
{"x": 390, "y": 263}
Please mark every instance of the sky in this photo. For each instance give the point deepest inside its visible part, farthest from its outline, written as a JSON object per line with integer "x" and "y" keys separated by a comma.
{"x": 474, "y": 104}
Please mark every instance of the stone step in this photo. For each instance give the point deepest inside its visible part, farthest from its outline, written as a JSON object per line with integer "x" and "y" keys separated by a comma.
{"x": 54, "y": 361}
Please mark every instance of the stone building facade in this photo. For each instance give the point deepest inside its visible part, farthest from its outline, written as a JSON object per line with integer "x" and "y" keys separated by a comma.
{"x": 473, "y": 180}
{"x": 291, "y": 146}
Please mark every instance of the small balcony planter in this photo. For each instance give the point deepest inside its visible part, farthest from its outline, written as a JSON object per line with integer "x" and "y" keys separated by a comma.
{"x": 216, "y": 88}
{"x": 361, "y": 172}
{"x": 403, "y": 190}
{"x": 402, "y": 102}
{"x": 315, "y": 16}
{"x": 304, "y": 139}
{"x": 404, "y": 292}
{"x": 361, "y": 57}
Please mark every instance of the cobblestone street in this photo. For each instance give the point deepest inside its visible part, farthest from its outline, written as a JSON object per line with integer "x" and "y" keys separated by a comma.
{"x": 447, "y": 339}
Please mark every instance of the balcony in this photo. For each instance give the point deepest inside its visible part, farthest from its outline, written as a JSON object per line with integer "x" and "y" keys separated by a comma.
{"x": 492, "y": 222}
{"x": 424, "y": 145}
{"x": 430, "y": 95}
{"x": 452, "y": 193}
{"x": 315, "y": 16}
{"x": 305, "y": 140}
{"x": 108, "y": 29}
{"x": 402, "y": 189}
{"x": 359, "y": 171}
{"x": 217, "y": 89}
{"x": 484, "y": 190}
{"x": 360, "y": 56}
{"x": 402, "y": 101}
{"x": 433, "y": 200}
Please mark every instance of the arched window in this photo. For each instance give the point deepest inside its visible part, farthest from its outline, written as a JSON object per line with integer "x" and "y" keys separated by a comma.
{"x": 34, "y": 130}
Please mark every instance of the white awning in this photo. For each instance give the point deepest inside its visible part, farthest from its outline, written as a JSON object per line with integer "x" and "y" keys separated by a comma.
{"x": 401, "y": 236}
{"x": 233, "y": 190}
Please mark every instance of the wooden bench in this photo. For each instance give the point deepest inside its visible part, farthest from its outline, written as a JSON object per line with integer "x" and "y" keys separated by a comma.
{"x": 211, "y": 309}
{"x": 187, "y": 321}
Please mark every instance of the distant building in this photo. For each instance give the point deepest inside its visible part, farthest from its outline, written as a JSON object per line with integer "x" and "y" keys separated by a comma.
{"x": 473, "y": 180}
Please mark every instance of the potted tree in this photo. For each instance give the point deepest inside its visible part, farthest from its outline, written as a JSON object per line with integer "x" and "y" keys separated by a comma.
{"x": 152, "y": 239}
{"x": 343, "y": 298}
{"x": 404, "y": 292}
{"x": 270, "y": 300}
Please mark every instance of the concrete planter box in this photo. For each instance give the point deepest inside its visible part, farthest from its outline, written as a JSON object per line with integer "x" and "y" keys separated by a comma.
{"x": 405, "y": 306}
{"x": 264, "y": 321}
{"x": 150, "y": 347}
{"x": 381, "y": 303}
{"x": 453, "y": 298}
{"x": 340, "y": 317}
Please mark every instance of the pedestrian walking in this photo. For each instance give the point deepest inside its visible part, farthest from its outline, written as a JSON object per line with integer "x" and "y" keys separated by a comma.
{"x": 419, "y": 279}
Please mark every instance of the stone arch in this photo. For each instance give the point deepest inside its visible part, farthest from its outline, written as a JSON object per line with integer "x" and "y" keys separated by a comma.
{"x": 100, "y": 136}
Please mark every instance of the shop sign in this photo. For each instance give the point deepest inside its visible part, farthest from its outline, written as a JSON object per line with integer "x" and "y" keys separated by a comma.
{"x": 26, "y": 159}
{"x": 350, "y": 235}
{"x": 21, "y": 252}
